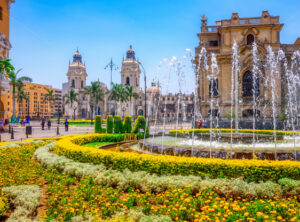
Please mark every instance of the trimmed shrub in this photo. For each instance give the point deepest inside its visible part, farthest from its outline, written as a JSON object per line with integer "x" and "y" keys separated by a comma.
{"x": 118, "y": 125}
{"x": 98, "y": 124}
{"x": 140, "y": 123}
{"x": 127, "y": 124}
{"x": 110, "y": 124}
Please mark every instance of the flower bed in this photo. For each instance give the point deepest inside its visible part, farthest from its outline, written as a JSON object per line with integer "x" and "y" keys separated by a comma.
{"x": 4, "y": 206}
{"x": 69, "y": 197}
{"x": 225, "y": 130}
{"x": 17, "y": 167}
{"x": 251, "y": 170}
{"x": 148, "y": 182}
{"x": 76, "y": 191}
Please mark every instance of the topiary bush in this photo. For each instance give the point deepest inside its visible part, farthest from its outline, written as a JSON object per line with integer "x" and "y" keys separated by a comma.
{"x": 127, "y": 124}
{"x": 117, "y": 124}
{"x": 140, "y": 123}
{"x": 98, "y": 124}
{"x": 110, "y": 124}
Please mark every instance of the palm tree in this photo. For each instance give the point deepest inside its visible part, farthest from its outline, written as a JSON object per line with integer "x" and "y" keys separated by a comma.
{"x": 50, "y": 98}
{"x": 96, "y": 94}
{"x": 16, "y": 82}
{"x": 114, "y": 94}
{"x": 71, "y": 97}
{"x": 21, "y": 95}
{"x": 131, "y": 94}
{"x": 99, "y": 95}
{"x": 6, "y": 67}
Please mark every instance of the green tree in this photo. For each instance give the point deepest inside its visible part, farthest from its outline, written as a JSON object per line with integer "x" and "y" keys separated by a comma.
{"x": 71, "y": 97}
{"x": 131, "y": 95}
{"x": 50, "y": 98}
{"x": 96, "y": 94}
{"x": 6, "y": 67}
{"x": 16, "y": 82}
{"x": 114, "y": 95}
{"x": 20, "y": 96}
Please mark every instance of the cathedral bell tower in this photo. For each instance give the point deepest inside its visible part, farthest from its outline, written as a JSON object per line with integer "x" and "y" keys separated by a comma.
{"x": 76, "y": 73}
{"x": 77, "y": 81}
{"x": 130, "y": 71}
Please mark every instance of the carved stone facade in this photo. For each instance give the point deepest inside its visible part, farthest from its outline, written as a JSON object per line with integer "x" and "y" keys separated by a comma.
{"x": 77, "y": 81}
{"x": 130, "y": 76}
{"x": 264, "y": 31}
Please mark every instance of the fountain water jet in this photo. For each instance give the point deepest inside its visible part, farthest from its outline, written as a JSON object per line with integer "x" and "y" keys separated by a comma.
{"x": 255, "y": 82}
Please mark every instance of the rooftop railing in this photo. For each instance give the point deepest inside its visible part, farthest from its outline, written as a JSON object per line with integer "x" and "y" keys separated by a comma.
{"x": 250, "y": 21}
{"x": 212, "y": 28}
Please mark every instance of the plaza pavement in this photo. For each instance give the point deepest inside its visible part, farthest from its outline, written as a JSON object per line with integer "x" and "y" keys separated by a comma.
{"x": 37, "y": 132}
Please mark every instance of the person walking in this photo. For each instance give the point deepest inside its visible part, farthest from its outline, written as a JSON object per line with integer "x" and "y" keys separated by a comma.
{"x": 66, "y": 125}
{"x": 1, "y": 125}
{"x": 43, "y": 124}
{"x": 49, "y": 124}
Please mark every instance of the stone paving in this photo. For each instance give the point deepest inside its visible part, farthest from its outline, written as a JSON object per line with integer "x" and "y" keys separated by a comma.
{"x": 37, "y": 132}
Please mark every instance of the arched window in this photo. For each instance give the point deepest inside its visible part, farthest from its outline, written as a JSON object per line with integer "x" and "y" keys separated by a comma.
{"x": 250, "y": 39}
{"x": 248, "y": 86}
{"x": 1, "y": 14}
{"x": 81, "y": 83}
{"x": 249, "y": 113}
{"x": 127, "y": 81}
{"x": 73, "y": 83}
{"x": 214, "y": 112}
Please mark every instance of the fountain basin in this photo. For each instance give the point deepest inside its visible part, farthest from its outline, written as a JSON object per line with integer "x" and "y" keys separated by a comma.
{"x": 236, "y": 137}
{"x": 183, "y": 146}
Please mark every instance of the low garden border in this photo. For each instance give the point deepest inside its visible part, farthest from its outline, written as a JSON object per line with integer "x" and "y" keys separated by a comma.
{"x": 252, "y": 170}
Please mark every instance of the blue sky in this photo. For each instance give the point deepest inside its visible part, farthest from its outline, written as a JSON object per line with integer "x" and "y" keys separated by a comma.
{"x": 46, "y": 33}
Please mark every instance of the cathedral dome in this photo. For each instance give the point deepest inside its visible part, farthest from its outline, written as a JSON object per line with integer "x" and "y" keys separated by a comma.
{"x": 130, "y": 53}
{"x": 153, "y": 89}
{"x": 77, "y": 57}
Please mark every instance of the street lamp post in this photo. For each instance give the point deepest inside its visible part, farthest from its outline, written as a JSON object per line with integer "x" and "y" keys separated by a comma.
{"x": 112, "y": 67}
{"x": 28, "y": 110}
{"x": 145, "y": 88}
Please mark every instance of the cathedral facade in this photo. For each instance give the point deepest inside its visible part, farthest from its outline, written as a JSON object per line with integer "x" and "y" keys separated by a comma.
{"x": 219, "y": 40}
{"x": 157, "y": 105}
{"x": 77, "y": 81}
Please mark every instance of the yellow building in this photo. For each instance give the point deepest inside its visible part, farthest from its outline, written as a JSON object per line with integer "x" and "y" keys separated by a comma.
{"x": 38, "y": 107}
{"x": 4, "y": 53}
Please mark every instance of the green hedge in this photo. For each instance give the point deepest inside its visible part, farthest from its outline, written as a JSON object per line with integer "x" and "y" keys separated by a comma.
{"x": 118, "y": 125}
{"x": 127, "y": 124}
{"x": 140, "y": 123}
{"x": 110, "y": 124}
{"x": 98, "y": 124}
{"x": 249, "y": 170}
{"x": 92, "y": 138}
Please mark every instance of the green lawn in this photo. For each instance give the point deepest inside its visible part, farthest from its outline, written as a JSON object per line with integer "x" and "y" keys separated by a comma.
{"x": 96, "y": 144}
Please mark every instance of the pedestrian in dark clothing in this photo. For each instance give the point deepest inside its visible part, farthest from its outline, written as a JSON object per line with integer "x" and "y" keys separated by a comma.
{"x": 49, "y": 124}
{"x": 43, "y": 124}
{"x": 66, "y": 125}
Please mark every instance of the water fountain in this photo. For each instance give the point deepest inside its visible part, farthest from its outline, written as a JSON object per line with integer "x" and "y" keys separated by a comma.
{"x": 255, "y": 80}
{"x": 238, "y": 143}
